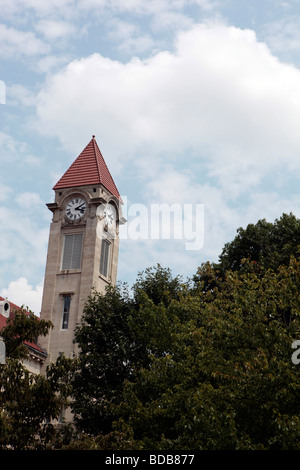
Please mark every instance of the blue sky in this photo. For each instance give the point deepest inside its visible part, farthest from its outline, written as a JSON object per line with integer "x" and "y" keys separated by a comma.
{"x": 191, "y": 101}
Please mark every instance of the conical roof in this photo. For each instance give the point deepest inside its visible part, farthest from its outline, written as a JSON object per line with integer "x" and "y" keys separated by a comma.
{"x": 89, "y": 168}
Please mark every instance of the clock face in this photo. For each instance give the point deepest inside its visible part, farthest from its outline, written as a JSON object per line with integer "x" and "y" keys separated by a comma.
{"x": 109, "y": 215}
{"x": 76, "y": 208}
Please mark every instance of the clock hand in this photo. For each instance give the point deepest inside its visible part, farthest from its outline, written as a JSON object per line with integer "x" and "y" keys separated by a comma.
{"x": 80, "y": 208}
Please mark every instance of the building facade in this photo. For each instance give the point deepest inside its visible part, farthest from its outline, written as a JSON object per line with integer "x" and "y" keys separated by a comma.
{"x": 36, "y": 354}
{"x": 83, "y": 250}
{"x": 83, "y": 246}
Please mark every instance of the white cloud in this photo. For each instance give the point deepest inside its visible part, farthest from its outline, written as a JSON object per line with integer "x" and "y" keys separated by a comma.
{"x": 70, "y": 11}
{"x": 221, "y": 95}
{"x": 20, "y": 292}
{"x": 20, "y": 96}
{"x": 205, "y": 123}
{"x": 23, "y": 240}
{"x": 169, "y": 19}
{"x": 5, "y": 192}
{"x": 283, "y": 34}
{"x": 11, "y": 149}
{"x": 49, "y": 63}
{"x": 53, "y": 30}
{"x": 12, "y": 9}
{"x": 172, "y": 186}
{"x": 129, "y": 37}
{"x": 29, "y": 200}
{"x": 16, "y": 43}
{"x": 57, "y": 22}
{"x": 151, "y": 7}
{"x": 221, "y": 221}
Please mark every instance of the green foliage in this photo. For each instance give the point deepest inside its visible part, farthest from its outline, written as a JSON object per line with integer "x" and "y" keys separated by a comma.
{"x": 106, "y": 348}
{"x": 117, "y": 334}
{"x": 269, "y": 244}
{"x": 197, "y": 368}
{"x": 172, "y": 365}
{"x": 23, "y": 327}
{"x": 158, "y": 284}
{"x": 27, "y": 401}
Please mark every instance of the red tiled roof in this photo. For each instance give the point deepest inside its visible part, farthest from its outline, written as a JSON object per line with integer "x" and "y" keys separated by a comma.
{"x": 89, "y": 168}
{"x": 3, "y": 319}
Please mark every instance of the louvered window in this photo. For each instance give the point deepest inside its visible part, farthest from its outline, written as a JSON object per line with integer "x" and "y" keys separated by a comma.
{"x": 104, "y": 259}
{"x": 72, "y": 251}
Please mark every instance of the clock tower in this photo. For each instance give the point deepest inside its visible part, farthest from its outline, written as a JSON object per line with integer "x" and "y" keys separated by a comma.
{"x": 83, "y": 246}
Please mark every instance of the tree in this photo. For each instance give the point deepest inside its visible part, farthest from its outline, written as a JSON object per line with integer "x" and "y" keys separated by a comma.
{"x": 28, "y": 402}
{"x": 158, "y": 284}
{"x": 117, "y": 334}
{"x": 201, "y": 370}
{"x": 23, "y": 326}
{"x": 227, "y": 381}
{"x": 266, "y": 245}
{"x": 106, "y": 348}
{"x": 184, "y": 366}
{"x": 269, "y": 244}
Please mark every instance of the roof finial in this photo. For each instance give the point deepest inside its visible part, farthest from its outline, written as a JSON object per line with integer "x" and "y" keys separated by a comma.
{"x": 93, "y": 137}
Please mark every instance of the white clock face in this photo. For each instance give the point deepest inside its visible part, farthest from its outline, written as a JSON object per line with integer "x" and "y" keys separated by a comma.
{"x": 76, "y": 208}
{"x": 109, "y": 215}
